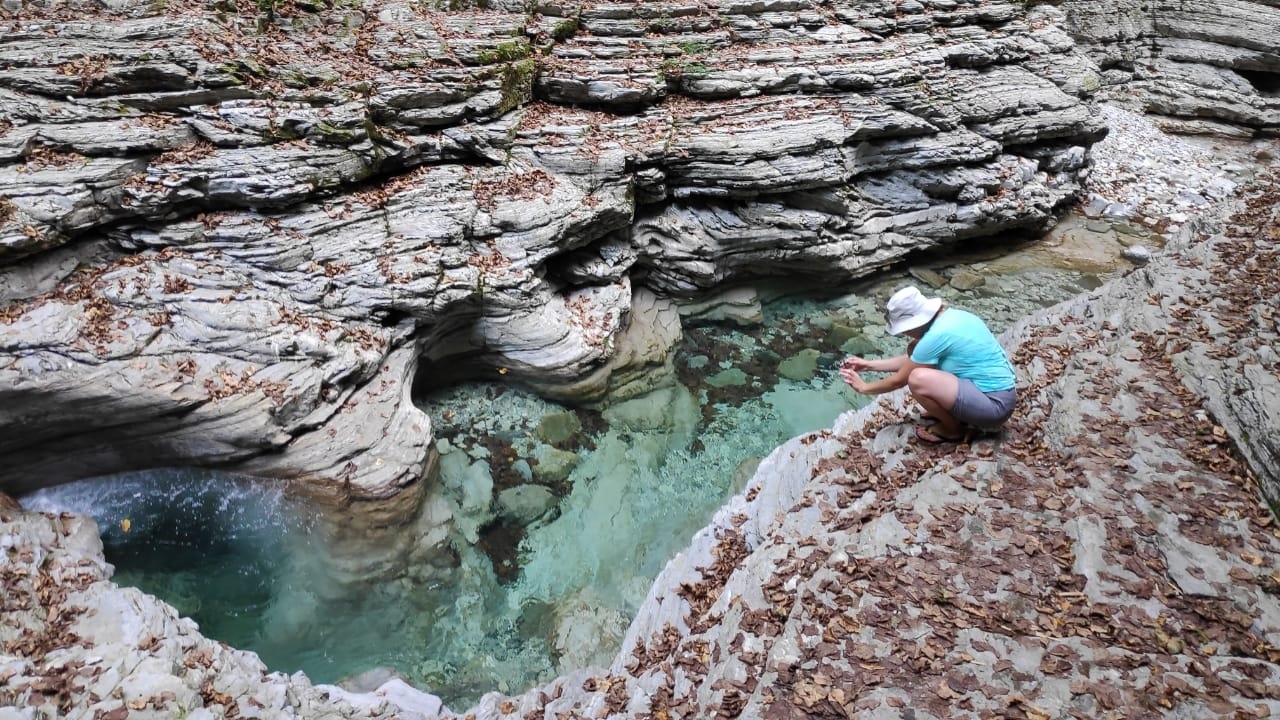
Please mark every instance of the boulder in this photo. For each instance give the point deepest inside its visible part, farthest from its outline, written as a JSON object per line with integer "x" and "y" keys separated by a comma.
{"x": 558, "y": 427}
{"x": 524, "y": 504}
{"x": 553, "y": 466}
{"x": 966, "y": 280}
{"x": 801, "y": 366}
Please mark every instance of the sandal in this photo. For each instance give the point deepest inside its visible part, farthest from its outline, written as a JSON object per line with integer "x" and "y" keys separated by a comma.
{"x": 927, "y": 434}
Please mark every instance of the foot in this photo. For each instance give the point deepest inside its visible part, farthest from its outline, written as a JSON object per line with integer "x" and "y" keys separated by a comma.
{"x": 933, "y": 435}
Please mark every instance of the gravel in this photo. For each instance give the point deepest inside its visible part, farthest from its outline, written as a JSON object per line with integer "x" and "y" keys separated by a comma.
{"x": 1144, "y": 175}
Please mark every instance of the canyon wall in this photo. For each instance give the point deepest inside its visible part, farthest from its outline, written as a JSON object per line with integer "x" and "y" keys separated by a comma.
{"x": 240, "y": 235}
{"x": 1208, "y": 67}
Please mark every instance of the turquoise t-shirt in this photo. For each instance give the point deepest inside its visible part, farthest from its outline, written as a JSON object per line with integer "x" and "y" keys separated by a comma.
{"x": 960, "y": 343}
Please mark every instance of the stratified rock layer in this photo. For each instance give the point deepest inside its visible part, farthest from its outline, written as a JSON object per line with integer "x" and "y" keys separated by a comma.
{"x": 1210, "y": 67}
{"x": 239, "y": 235}
{"x": 1108, "y": 555}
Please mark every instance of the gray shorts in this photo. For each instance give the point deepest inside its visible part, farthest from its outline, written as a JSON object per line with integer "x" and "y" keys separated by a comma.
{"x": 985, "y": 411}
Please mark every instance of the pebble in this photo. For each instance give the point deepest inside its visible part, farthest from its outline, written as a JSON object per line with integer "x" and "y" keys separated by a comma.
{"x": 1137, "y": 254}
{"x": 1145, "y": 175}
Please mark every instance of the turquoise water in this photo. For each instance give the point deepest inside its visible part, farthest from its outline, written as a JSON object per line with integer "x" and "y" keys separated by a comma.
{"x": 500, "y": 599}
{"x": 217, "y": 547}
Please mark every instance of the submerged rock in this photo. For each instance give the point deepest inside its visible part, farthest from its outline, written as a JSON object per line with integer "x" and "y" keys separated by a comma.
{"x": 965, "y": 280}
{"x": 553, "y": 466}
{"x": 801, "y": 366}
{"x": 524, "y": 504}
{"x": 558, "y": 428}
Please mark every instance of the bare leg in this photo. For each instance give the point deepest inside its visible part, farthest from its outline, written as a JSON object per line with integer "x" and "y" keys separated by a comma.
{"x": 936, "y": 392}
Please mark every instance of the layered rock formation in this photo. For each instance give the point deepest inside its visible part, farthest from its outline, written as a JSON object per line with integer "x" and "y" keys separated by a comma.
{"x": 1108, "y": 555}
{"x": 1211, "y": 67}
{"x": 238, "y": 235}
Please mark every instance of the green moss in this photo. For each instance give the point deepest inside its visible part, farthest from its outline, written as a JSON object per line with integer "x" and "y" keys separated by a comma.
{"x": 565, "y": 29}
{"x": 244, "y": 69}
{"x": 506, "y": 52}
{"x": 276, "y": 133}
{"x": 453, "y": 5}
{"x": 517, "y": 84}
{"x": 676, "y": 68}
{"x": 695, "y": 47}
{"x": 335, "y": 135}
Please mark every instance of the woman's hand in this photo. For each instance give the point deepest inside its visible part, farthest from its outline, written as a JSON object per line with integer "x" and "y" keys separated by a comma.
{"x": 853, "y": 362}
{"x": 851, "y": 377}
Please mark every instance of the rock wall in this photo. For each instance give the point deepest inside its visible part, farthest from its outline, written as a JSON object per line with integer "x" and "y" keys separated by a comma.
{"x": 1108, "y": 555}
{"x": 237, "y": 235}
{"x": 1210, "y": 67}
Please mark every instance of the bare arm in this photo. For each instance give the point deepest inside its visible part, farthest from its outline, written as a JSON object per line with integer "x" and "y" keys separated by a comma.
{"x": 886, "y": 384}
{"x": 901, "y": 367}
{"x": 889, "y": 365}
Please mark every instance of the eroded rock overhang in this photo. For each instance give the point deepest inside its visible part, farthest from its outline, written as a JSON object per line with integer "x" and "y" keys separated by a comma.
{"x": 1207, "y": 67}
{"x": 235, "y": 239}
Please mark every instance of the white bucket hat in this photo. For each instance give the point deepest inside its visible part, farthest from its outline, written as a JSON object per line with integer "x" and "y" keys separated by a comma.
{"x": 909, "y": 309}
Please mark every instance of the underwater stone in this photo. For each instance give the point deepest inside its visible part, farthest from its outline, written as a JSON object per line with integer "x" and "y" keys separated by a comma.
{"x": 664, "y": 410}
{"x": 586, "y": 628}
{"x": 470, "y": 486}
{"x": 727, "y": 378}
{"x": 929, "y": 277}
{"x": 839, "y": 333}
{"x": 369, "y": 680}
{"x": 553, "y": 465}
{"x": 801, "y": 366}
{"x": 556, "y": 428}
{"x": 967, "y": 280}
{"x": 525, "y": 503}
{"x": 859, "y": 345}
{"x": 743, "y": 474}
{"x": 522, "y": 469}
